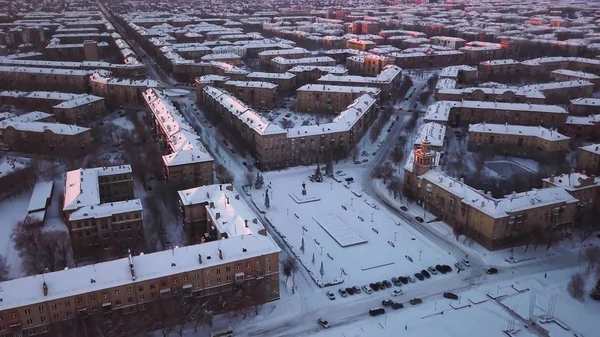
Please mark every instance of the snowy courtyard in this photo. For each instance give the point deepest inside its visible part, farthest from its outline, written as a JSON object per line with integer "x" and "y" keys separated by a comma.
{"x": 341, "y": 235}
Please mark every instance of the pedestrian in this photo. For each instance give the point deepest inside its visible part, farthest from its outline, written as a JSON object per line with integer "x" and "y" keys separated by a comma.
{"x": 405, "y": 327}
{"x": 545, "y": 275}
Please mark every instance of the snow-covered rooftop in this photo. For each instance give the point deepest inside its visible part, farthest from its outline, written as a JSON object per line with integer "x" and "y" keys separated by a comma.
{"x": 338, "y": 89}
{"x": 40, "y": 196}
{"x": 518, "y": 130}
{"x": 283, "y": 76}
{"x": 389, "y": 73}
{"x": 594, "y": 148}
{"x": 573, "y": 181}
{"x": 106, "y": 209}
{"x": 81, "y": 186}
{"x": 434, "y": 132}
{"x": 572, "y": 73}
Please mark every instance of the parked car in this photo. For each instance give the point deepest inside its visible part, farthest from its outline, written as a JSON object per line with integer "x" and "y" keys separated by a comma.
{"x": 397, "y": 292}
{"x": 432, "y": 270}
{"x": 415, "y": 301}
{"x": 425, "y": 273}
{"x": 419, "y": 276}
{"x": 451, "y": 296}
{"x": 403, "y": 279}
{"x": 410, "y": 279}
{"x": 380, "y": 285}
{"x": 440, "y": 269}
{"x": 459, "y": 266}
{"x": 330, "y": 295}
{"x": 397, "y": 305}
{"x": 419, "y": 219}
{"x": 350, "y": 291}
{"x": 466, "y": 262}
{"x": 447, "y": 268}
{"x": 343, "y": 292}
{"x": 396, "y": 281}
{"x": 387, "y": 283}
{"x": 356, "y": 289}
{"x": 367, "y": 290}
{"x": 492, "y": 271}
{"x": 323, "y": 323}
{"x": 404, "y": 208}
{"x": 373, "y": 286}
{"x": 377, "y": 311}
{"x": 387, "y": 302}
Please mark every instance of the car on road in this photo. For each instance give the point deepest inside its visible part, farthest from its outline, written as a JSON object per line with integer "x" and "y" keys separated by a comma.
{"x": 403, "y": 279}
{"x": 330, "y": 295}
{"x": 356, "y": 289}
{"x": 419, "y": 219}
{"x": 387, "y": 302}
{"x": 387, "y": 283}
{"x": 397, "y": 305}
{"x": 404, "y": 208}
{"x": 425, "y": 273}
{"x": 492, "y": 271}
{"x": 377, "y": 311}
{"x": 367, "y": 290}
{"x": 350, "y": 291}
{"x": 466, "y": 262}
{"x": 396, "y": 281}
{"x": 419, "y": 276}
{"x": 410, "y": 279}
{"x": 416, "y": 301}
{"x": 397, "y": 292}
{"x": 323, "y": 323}
{"x": 432, "y": 270}
{"x": 356, "y": 162}
{"x": 459, "y": 266}
{"x": 451, "y": 296}
{"x": 343, "y": 292}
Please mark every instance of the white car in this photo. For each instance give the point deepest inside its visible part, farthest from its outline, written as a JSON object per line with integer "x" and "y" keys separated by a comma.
{"x": 323, "y": 323}
{"x": 397, "y": 292}
{"x": 466, "y": 262}
{"x": 330, "y": 295}
{"x": 367, "y": 290}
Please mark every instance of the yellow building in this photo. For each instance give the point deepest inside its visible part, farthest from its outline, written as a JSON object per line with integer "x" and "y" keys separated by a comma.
{"x": 323, "y": 98}
{"x": 588, "y": 159}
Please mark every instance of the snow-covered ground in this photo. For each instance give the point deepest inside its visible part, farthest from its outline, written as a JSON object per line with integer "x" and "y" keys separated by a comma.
{"x": 339, "y": 216}
{"x": 11, "y": 212}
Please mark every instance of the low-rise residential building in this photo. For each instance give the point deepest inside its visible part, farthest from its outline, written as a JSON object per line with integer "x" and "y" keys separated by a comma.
{"x": 562, "y": 91}
{"x": 584, "y": 187}
{"x": 143, "y": 287}
{"x": 498, "y": 69}
{"x": 477, "y": 51}
{"x": 186, "y": 160}
{"x": 584, "y": 106}
{"x": 429, "y": 58}
{"x": 257, "y": 94}
{"x": 368, "y": 65}
{"x": 265, "y": 57}
{"x": 362, "y": 45}
{"x": 448, "y": 41}
{"x": 286, "y": 82}
{"x": 103, "y": 218}
{"x": 563, "y": 75}
{"x": 121, "y": 92}
{"x": 49, "y": 79}
{"x": 280, "y": 64}
{"x": 514, "y": 95}
{"x": 588, "y": 159}
{"x": 386, "y": 80}
{"x": 45, "y": 138}
{"x": 309, "y": 74}
{"x": 535, "y": 142}
{"x": 432, "y": 133}
{"x": 323, "y": 98}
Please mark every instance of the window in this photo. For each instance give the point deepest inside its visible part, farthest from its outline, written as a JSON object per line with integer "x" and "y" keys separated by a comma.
{"x": 143, "y": 306}
{"x": 228, "y": 269}
{"x": 228, "y": 277}
{"x": 55, "y": 316}
{"x": 129, "y": 290}
{"x": 79, "y": 300}
{"x": 238, "y": 267}
{"x": 43, "y": 318}
{"x": 208, "y": 282}
{"x": 29, "y": 321}
{"x": 174, "y": 281}
{"x": 185, "y": 278}
{"x": 2, "y": 328}
{"x": 218, "y": 280}
{"x": 68, "y": 313}
{"x": 153, "y": 294}
{"x": 27, "y": 312}
{"x": 141, "y": 297}
{"x": 117, "y": 293}
{"x": 92, "y": 298}
{"x": 152, "y": 286}
{"x": 31, "y": 332}
{"x": 218, "y": 271}
{"x": 118, "y": 302}
{"x": 141, "y": 288}
{"x": 195, "y": 276}
{"x": 207, "y": 272}
{"x": 40, "y": 308}
{"x": 105, "y": 295}
{"x": 45, "y": 328}
{"x": 248, "y": 265}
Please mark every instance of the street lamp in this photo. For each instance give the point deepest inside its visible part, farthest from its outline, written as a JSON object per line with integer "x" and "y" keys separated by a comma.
{"x": 395, "y": 234}
{"x": 420, "y": 252}
{"x": 372, "y": 216}
{"x": 351, "y": 201}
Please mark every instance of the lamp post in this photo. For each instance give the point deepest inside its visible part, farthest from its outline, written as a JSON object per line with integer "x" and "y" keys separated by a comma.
{"x": 395, "y": 235}
{"x": 372, "y": 216}
{"x": 420, "y": 252}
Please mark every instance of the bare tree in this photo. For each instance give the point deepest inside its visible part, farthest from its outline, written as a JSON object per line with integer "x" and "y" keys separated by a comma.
{"x": 395, "y": 187}
{"x": 592, "y": 256}
{"x": 384, "y": 172}
{"x": 3, "y": 269}
{"x": 457, "y": 231}
{"x": 248, "y": 178}
{"x": 41, "y": 250}
{"x": 576, "y": 287}
{"x": 396, "y": 155}
{"x": 289, "y": 266}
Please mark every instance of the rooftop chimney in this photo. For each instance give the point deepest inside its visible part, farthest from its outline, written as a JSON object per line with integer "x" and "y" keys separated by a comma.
{"x": 131, "y": 269}
{"x": 220, "y": 187}
{"x": 220, "y": 254}
{"x": 45, "y": 288}
{"x": 218, "y": 215}
{"x": 246, "y": 223}
{"x": 200, "y": 258}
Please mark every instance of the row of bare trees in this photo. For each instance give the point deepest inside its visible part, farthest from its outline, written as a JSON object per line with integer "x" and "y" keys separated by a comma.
{"x": 577, "y": 284}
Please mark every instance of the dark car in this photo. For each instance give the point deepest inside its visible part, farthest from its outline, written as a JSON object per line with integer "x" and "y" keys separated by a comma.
{"x": 377, "y": 311}
{"x": 448, "y": 268}
{"x": 419, "y": 276}
{"x": 387, "y": 302}
{"x": 350, "y": 291}
{"x": 416, "y": 301}
{"x": 492, "y": 271}
{"x": 403, "y": 279}
{"x": 451, "y": 296}
{"x": 373, "y": 286}
{"x": 387, "y": 284}
{"x": 425, "y": 273}
{"x": 380, "y": 285}
{"x": 419, "y": 219}
{"x": 440, "y": 269}
{"x": 397, "y": 305}
{"x": 404, "y": 208}
{"x": 396, "y": 281}
{"x": 350, "y": 179}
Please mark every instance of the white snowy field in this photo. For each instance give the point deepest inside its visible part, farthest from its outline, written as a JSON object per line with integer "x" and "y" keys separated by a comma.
{"x": 348, "y": 216}
{"x": 11, "y": 212}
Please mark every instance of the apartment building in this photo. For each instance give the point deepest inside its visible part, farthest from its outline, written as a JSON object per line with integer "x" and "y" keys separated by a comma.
{"x": 286, "y": 82}
{"x": 584, "y": 106}
{"x": 48, "y": 79}
{"x": 473, "y": 112}
{"x": 120, "y": 92}
{"x": 265, "y": 57}
{"x": 389, "y": 78}
{"x": 274, "y": 147}
{"x": 516, "y": 95}
{"x": 495, "y": 223}
{"x": 310, "y": 74}
{"x": 103, "y": 218}
{"x": 141, "y": 288}
{"x": 434, "y": 134}
{"x": 229, "y": 58}
{"x": 534, "y": 142}
{"x": 368, "y": 65}
{"x": 588, "y": 159}
{"x": 477, "y": 51}
{"x": 45, "y": 138}
{"x": 331, "y": 99}
{"x": 563, "y": 91}
{"x": 186, "y": 161}
{"x": 362, "y": 45}
{"x": 429, "y": 58}
{"x": 257, "y": 94}
{"x": 583, "y": 187}
{"x": 280, "y": 64}
{"x": 447, "y": 41}
{"x": 564, "y": 75}
{"x": 491, "y": 70}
